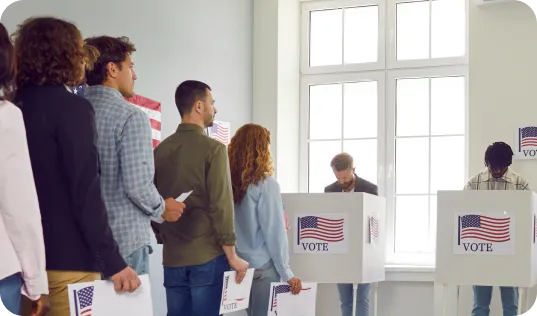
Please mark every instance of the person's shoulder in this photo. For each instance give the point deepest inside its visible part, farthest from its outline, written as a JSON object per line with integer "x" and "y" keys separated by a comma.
{"x": 333, "y": 187}
{"x": 368, "y": 187}
{"x": 10, "y": 116}
{"x": 270, "y": 182}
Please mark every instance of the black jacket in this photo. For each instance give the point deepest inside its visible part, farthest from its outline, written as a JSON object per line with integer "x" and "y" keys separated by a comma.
{"x": 361, "y": 185}
{"x": 60, "y": 128}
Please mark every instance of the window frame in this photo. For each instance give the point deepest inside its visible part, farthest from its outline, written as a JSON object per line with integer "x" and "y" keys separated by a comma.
{"x": 391, "y": 41}
{"x": 386, "y": 71}
{"x": 308, "y": 7}
{"x": 305, "y": 83}
{"x": 415, "y": 259}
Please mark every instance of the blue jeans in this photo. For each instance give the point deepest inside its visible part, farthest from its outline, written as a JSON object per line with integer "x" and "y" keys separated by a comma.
{"x": 260, "y": 295}
{"x": 10, "y": 293}
{"x": 483, "y": 296}
{"x": 362, "y": 300}
{"x": 139, "y": 260}
{"x": 195, "y": 290}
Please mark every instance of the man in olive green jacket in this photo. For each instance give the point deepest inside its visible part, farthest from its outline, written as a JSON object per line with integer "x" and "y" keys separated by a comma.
{"x": 200, "y": 247}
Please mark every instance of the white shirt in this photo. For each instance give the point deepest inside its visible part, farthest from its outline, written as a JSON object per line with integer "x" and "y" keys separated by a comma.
{"x": 22, "y": 247}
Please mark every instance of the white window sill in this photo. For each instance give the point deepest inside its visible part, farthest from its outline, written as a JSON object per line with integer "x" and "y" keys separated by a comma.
{"x": 399, "y": 273}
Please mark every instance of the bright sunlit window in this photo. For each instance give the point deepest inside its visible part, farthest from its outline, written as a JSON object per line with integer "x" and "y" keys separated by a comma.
{"x": 386, "y": 81}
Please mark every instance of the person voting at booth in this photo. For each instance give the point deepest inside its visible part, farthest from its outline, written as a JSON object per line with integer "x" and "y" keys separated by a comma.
{"x": 496, "y": 176}
{"x": 259, "y": 215}
{"x": 347, "y": 181}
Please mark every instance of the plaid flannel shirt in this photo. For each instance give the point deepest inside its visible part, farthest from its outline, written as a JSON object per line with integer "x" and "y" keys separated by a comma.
{"x": 127, "y": 168}
{"x": 485, "y": 181}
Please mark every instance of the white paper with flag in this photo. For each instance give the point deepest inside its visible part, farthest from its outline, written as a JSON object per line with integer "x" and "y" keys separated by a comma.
{"x": 236, "y": 297}
{"x": 220, "y": 132}
{"x": 283, "y": 303}
{"x": 99, "y": 298}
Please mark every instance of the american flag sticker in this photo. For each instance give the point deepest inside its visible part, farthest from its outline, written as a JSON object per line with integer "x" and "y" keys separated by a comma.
{"x": 84, "y": 301}
{"x": 220, "y": 132}
{"x": 373, "y": 229}
{"x": 490, "y": 234}
{"x": 321, "y": 234}
{"x": 526, "y": 142}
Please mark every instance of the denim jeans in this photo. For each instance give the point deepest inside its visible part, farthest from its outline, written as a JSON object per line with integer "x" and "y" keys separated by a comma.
{"x": 139, "y": 260}
{"x": 483, "y": 296}
{"x": 260, "y": 295}
{"x": 195, "y": 290}
{"x": 362, "y": 301}
{"x": 10, "y": 293}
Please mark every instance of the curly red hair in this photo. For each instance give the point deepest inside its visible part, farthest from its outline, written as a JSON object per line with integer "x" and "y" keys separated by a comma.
{"x": 249, "y": 158}
{"x": 49, "y": 51}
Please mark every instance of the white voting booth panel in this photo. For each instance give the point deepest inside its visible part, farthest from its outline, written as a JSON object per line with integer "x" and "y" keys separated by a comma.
{"x": 331, "y": 241}
{"x": 486, "y": 238}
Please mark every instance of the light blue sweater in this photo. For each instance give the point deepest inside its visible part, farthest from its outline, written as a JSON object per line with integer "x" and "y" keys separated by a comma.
{"x": 260, "y": 228}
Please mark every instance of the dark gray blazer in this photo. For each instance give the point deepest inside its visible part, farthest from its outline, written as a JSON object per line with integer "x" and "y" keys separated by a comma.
{"x": 362, "y": 185}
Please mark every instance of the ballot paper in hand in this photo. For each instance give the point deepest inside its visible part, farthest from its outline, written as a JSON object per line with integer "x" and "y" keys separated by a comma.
{"x": 236, "y": 297}
{"x": 283, "y": 303}
{"x": 183, "y": 196}
{"x": 99, "y": 298}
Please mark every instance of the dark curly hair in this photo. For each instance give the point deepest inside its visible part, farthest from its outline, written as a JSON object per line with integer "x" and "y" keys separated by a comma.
{"x": 49, "y": 51}
{"x": 111, "y": 50}
{"x": 249, "y": 158}
{"x": 499, "y": 155}
{"x": 7, "y": 64}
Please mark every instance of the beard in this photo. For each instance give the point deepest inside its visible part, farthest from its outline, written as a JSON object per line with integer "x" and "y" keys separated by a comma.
{"x": 209, "y": 121}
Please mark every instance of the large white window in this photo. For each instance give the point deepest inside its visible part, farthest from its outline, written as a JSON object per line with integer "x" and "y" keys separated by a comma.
{"x": 386, "y": 81}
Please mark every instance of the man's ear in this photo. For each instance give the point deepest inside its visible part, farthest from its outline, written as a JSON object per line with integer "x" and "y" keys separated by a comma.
{"x": 111, "y": 70}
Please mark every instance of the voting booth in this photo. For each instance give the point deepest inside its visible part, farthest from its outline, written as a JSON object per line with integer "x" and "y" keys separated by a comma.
{"x": 337, "y": 237}
{"x": 487, "y": 238}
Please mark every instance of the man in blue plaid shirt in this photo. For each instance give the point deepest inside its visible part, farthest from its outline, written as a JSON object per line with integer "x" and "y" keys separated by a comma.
{"x": 126, "y": 153}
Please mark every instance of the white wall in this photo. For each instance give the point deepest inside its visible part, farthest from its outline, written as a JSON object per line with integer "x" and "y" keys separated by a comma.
{"x": 176, "y": 40}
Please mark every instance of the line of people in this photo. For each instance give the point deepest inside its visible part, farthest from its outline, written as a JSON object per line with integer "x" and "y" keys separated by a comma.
{"x": 81, "y": 187}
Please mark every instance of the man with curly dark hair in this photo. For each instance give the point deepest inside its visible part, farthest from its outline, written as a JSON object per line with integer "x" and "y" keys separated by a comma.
{"x": 126, "y": 150}
{"x": 79, "y": 244}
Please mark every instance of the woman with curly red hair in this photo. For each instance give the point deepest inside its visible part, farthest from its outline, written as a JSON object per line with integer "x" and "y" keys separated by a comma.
{"x": 259, "y": 215}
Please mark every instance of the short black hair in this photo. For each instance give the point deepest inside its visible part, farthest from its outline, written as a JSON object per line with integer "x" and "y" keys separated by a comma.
{"x": 499, "y": 155}
{"x": 188, "y": 93}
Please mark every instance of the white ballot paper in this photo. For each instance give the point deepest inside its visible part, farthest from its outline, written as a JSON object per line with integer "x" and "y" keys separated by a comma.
{"x": 236, "y": 297}
{"x": 183, "y": 196}
{"x": 283, "y": 303}
{"x": 100, "y": 299}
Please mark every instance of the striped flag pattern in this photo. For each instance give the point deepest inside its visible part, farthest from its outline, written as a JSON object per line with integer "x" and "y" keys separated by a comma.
{"x": 153, "y": 110}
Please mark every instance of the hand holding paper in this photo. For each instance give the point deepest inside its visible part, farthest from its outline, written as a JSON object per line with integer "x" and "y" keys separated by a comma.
{"x": 236, "y": 296}
{"x": 285, "y": 303}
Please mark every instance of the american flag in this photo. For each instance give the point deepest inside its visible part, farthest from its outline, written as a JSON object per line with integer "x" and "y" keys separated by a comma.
{"x": 78, "y": 90}
{"x": 226, "y": 285}
{"x": 153, "y": 109}
{"x": 320, "y": 228}
{"x": 374, "y": 227}
{"x": 220, "y": 132}
{"x": 278, "y": 289}
{"x": 528, "y": 136}
{"x": 485, "y": 228}
{"x": 84, "y": 301}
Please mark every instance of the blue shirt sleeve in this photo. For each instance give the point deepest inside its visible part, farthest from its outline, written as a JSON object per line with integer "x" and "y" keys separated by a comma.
{"x": 138, "y": 167}
{"x": 271, "y": 219}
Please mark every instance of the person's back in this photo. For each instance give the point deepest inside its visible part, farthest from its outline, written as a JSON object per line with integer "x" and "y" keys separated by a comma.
{"x": 200, "y": 247}
{"x": 184, "y": 162}
{"x": 60, "y": 130}
{"x": 259, "y": 215}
